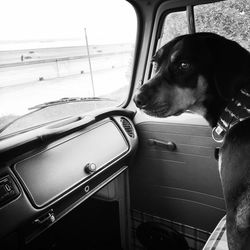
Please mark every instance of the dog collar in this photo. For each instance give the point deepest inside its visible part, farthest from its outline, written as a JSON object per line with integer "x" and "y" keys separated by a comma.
{"x": 237, "y": 110}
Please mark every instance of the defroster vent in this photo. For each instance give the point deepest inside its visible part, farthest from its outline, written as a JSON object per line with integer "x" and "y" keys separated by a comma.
{"x": 128, "y": 127}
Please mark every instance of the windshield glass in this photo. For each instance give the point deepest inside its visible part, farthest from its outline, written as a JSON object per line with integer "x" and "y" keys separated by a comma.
{"x": 72, "y": 55}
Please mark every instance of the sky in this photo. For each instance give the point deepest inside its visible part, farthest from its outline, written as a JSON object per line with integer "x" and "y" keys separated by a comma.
{"x": 106, "y": 21}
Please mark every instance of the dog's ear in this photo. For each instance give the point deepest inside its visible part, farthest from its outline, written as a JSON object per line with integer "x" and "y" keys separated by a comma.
{"x": 231, "y": 66}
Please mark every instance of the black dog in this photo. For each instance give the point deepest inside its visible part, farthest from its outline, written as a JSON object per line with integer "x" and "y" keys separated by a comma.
{"x": 210, "y": 75}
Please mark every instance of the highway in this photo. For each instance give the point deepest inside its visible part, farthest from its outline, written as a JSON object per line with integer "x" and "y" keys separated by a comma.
{"x": 17, "y": 99}
{"x": 54, "y": 73}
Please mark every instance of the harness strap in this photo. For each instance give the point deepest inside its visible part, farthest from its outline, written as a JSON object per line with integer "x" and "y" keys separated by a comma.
{"x": 237, "y": 111}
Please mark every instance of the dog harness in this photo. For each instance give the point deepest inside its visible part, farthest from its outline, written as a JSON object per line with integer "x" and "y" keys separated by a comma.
{"x": 237, "y": 111}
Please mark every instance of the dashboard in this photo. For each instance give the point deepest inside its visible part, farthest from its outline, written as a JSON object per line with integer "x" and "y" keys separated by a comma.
{"x": 50, "y": 172}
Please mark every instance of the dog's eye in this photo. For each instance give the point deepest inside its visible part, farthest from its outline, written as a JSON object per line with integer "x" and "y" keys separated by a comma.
{"x": 184, "y": 66}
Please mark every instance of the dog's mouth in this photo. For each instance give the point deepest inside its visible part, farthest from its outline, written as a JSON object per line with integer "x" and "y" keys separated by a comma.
{"x": 161, "y": 112}
{"x": 178, "y": 112}
{"x": 156, "y": 111}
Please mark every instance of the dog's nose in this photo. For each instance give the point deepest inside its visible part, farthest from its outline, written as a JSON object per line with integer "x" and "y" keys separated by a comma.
{"x": 140, "y": 100}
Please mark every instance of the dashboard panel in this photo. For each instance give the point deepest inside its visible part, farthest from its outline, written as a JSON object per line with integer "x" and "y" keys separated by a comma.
{"x": 51, "y": 179}
{"x": 52, "y": 172}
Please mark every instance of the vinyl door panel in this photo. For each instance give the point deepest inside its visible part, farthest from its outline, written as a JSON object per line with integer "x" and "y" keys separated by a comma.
{"x": 181, "y": 185}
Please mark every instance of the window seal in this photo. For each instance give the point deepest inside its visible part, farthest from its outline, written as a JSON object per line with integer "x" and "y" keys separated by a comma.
{"x": 190, "y": 19}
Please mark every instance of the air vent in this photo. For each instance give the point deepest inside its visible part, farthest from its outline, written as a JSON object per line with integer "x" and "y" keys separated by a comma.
{"x": 128, "y": 127}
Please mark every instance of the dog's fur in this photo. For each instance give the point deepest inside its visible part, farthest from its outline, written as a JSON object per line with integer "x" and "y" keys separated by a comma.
{"x": 202, "y": 72}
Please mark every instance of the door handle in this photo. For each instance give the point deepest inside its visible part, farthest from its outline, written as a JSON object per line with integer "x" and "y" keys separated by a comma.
{"x": 168, "y": 145}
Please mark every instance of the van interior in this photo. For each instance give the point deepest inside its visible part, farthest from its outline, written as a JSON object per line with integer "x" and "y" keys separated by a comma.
{"x": 81, "y": 166}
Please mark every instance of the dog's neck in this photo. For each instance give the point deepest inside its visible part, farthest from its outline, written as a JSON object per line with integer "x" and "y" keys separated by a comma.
{"x": 237, "y": 110}
{"x": 226, "y": 78}
{"x": 215, "y": 103}
{"x": 213, "y": 110}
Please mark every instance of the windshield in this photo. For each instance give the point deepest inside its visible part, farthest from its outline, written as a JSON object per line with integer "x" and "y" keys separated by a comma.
{"x": 63, "y": 53}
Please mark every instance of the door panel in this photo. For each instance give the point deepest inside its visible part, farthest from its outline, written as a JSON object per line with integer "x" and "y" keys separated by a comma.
{"x": 181, "y": 185}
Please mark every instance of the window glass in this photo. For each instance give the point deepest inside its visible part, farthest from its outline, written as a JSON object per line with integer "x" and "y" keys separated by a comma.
{"x": 230, "y": 19}
{"x": 63, "y": 57}
{"x": 175, "y": 24}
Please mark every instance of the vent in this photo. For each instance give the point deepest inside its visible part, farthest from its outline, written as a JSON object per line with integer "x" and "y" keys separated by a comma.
{"x": 128, "y": 127}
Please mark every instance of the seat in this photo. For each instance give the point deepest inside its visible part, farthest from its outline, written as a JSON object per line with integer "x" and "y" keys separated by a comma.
{"x": 218, "y": 238}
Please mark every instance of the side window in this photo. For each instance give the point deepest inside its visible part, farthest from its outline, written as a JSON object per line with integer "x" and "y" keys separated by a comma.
{"x": 230, "y": 19}
{"x": 175, "y": 24}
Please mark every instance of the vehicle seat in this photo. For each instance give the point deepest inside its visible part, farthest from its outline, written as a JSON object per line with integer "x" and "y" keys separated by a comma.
{"x": 155, "y": 235}
{"x": 218, "y": 238}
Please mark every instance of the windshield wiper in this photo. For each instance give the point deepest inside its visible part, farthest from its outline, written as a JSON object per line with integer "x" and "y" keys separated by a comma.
{"x": 69, "y": 100}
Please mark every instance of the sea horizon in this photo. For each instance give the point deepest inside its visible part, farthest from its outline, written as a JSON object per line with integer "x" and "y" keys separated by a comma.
{"x": 13, "y": 45}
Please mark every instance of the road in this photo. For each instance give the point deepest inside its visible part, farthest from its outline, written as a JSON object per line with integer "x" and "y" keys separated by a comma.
{"x": 16, "y": 99}
{"x": 20, "y": 73}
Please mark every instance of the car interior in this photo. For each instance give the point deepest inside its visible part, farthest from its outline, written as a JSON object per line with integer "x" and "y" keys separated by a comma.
{"x": 81, "y": 166}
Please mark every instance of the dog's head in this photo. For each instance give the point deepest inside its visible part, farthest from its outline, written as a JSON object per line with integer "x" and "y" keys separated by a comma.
{"x": 192, "y": 72}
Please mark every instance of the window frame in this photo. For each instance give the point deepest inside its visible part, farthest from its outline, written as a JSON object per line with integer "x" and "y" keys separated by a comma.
{"x": 136, "y": 55}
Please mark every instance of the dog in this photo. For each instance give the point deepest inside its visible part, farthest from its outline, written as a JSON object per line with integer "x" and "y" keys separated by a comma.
{"x": 210, "y": 75}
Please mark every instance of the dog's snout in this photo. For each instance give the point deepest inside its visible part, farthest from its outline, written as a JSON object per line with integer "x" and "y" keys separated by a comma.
{"x": 140, "y": 99}
{"x": 144, "y": 95}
